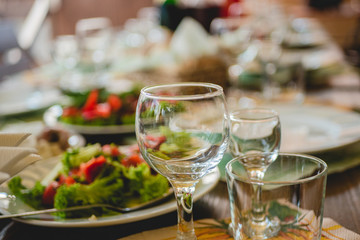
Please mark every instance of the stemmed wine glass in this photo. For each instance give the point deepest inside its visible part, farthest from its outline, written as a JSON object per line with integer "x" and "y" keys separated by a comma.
{"x": 183, "y": 132}
{"x": 255, "y": 131}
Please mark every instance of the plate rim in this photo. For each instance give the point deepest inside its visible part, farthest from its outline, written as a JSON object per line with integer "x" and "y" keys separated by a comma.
{"x": 340, "y": 142}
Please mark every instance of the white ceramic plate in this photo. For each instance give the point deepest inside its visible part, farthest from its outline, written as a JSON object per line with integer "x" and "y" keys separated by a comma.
{"x": 16, "y": 97}
{"x": 52, "y": 115}
{"x": 312, "y": 128}
{"x": 41, "y": 169}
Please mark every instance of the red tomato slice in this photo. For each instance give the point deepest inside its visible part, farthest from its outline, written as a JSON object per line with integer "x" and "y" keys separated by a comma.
{"x": 154, "y": 142}
{"x": 89, "y": 114}
{"x": 69, "y": 180}
{"x": 111, "y": 150}
{"x": 115, "y": 102}
{"x": 62, "y": 179}
{"x": 103, "y": 110}
{"x": 49, "y": 193}
{"x": 92, "y": 168}
{"x": 91, "y": 100}
{"x": 133, "y": 160}
{"x": 69, "y": 112}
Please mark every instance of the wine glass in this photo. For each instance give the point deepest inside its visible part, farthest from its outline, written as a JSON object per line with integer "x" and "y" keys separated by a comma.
{"x": 183, "y": 132}
{"x": 95, "y": 38}
{"x": 255, "y": 131}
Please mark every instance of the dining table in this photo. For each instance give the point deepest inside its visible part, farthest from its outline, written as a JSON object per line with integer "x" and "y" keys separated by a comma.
{"x": 342, "y": 200}
{"x": 342, "y": 204}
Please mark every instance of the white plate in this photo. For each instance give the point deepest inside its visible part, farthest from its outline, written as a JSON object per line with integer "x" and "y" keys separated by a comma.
{"x": 16, "y": 97}
{"x": 41, "y": 169}
{"x": 52, "y": 115}
{"x": 312, "y": 128}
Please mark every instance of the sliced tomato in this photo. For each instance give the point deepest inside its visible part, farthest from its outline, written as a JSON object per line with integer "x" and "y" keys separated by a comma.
{"x": 154, "y": 142}
{"x": 92, "y": 168}
{"x": 49, "y": 193}
{"x": 133, "y": 160}
{"x": 89, "y": 114}
{"x": 69, "y": 180}
{"x": 91, "y": 100}
{"x": 69, "y": 112}
{"x": 111, "y": 150}
{"x": 103, "y": 110}
{"x": 61, "y": 179}
{"x": 74, "y": 172}
{"x": 115, "y": 102}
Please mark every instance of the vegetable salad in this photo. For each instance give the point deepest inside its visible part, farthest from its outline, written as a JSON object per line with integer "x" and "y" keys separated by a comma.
{"x": 94, "y": 174}
{"x": 99, "y": 107}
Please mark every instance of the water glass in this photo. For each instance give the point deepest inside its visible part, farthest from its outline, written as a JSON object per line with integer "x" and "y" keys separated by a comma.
{"x": 95, "y": 38}
{"x": 285, "y": 84}
{"x": 293, "y": 191}
{"x": 255, "y": 130}
{"x": 65, "y": 52}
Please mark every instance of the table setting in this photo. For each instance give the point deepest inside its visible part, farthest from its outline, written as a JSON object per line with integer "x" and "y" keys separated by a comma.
{"x": 139, "y": 132}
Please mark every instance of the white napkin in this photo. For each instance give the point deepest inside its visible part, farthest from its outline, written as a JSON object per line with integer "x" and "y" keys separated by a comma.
{"x": 13, "y": 158}
{"x": 190, "y": 40}
{"x": 12, "y": 139}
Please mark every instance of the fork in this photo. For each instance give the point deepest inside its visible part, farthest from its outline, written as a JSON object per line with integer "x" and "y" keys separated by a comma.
{"x": 112, "y": 207}
{"x": 54, "y": 210}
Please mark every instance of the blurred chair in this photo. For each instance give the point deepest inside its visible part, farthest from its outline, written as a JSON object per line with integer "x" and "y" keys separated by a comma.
{"x": 12, "y": 57}
{"x": 15, "y": 46}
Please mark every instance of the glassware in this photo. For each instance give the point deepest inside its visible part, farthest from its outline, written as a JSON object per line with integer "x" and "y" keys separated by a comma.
{"x": 65, "y": 52}
{"x": 95, "y": 38}
{"x": 293, "y": 191}
{"x": 255, "y": 131}
{"x": 183, "y": 132}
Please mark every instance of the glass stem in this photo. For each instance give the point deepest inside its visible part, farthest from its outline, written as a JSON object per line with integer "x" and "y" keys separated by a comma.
{"x": 258, "y": 210}
{"x": 184, "y": 199}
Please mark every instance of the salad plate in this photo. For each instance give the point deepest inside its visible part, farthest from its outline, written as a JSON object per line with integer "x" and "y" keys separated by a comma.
{"x": 51, "y": 118}
{"x": 40, "y": 170}
{"x": 316, "y": 128}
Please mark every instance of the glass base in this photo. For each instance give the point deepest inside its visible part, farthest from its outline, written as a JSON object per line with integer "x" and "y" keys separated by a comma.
{"x": 186, "y": 235}
{"x": 262, "y": 230}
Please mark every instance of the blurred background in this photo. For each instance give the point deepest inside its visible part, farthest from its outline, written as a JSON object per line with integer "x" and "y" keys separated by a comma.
{"x": 47, "y": 19}
{"x": 56, "y": 52}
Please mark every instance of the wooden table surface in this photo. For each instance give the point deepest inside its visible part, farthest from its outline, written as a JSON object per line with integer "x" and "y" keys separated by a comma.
{"x": 342, "y": 203}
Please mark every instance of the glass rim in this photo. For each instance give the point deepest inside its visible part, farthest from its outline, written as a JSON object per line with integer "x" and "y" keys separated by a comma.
{"x": 272, "y": 112}
{"x": 218, "y": 91}
{"x": 278, "y": 182}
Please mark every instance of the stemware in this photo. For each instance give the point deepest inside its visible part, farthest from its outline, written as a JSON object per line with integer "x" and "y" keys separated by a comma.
{"x": 182, "y": 131}
{"x": 255, "y": 131}
{"x": 95, "y": 38}
{"x": 65, "y": 52}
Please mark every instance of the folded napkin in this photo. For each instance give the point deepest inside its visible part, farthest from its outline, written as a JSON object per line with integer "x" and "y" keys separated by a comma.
{"x": 190, "y": 40}
{"x": 211, "y": 229}
{"x": 12, "y": 139}
{"x": 14, "y": 158}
